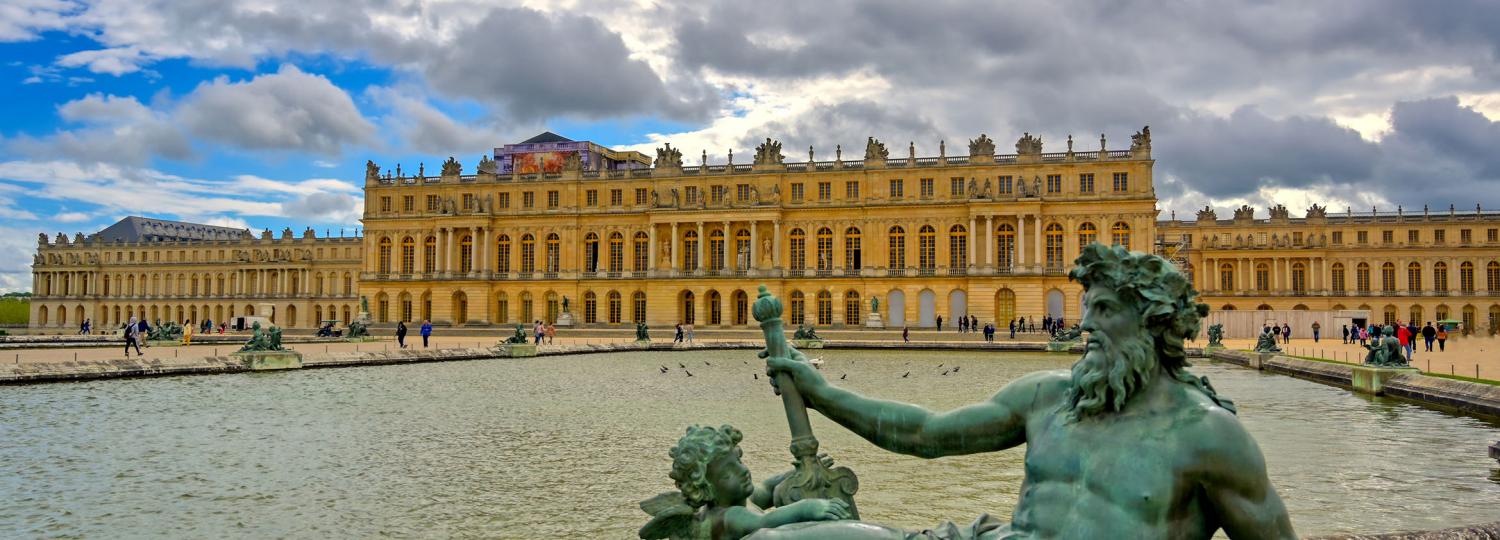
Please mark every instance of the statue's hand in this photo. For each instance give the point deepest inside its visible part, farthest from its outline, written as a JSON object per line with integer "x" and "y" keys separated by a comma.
{"x": 803, "y": 375}
{"x": 822, "y": 509}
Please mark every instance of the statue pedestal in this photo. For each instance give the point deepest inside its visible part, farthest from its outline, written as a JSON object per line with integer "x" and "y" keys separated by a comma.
{"x": 564, "y": 320}
{"x": 804, "y": 344}
{"x": 269, "y": 360}
{"x": 1059, "y": 346}
{"x": 363, "y": 339}
{"x": 517, "y": 350}
{"x": 163, "y": 343}
{"x": 1259, "y": 359}
{"x": 873, "y": 320}
{"x": 1213, "y": 347}
{"x": 1371, "y": 380}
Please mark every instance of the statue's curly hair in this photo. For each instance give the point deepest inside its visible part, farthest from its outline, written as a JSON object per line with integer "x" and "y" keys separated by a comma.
{"x": 1164, "y": 298}
{"x": 690, "y": 458}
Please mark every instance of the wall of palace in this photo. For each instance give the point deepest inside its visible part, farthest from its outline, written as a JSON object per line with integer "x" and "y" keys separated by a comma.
{"x": 984, "y": 234}
{"x": 1425, "y": 266}
{"x": 306, "y": 278}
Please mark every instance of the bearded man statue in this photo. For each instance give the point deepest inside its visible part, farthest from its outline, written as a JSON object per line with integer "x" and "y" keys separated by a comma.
{"x": 1126, "y": 444}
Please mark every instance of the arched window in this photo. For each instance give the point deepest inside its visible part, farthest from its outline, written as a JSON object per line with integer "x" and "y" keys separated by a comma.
{"x": 798, "y": 249}
{"x": 590, "y": 253}
{"x": 1442, "y": 312}
{"x": 1119, "y": 234}
{"x": 851, "y": 308}
{"x": 741, "y": 308}
{"x": 825, "y": 308}
{"x": 852, "y": 259}
{"x": 554, "y": 253}
{"x": 1388, "y": 277}
{"x": 1440, "y": 277}
{"x": 1054, "y": 246}
{"x": 688, "y": 307}
{"x": 502, "y": 254}
{"x": 927, "y": 247}
{"x": 715, "y": 308}
{"x": 896, "y": 246}
{"x": 1414, "y": 277}
{"x": 1005, "y": 306}
{"x": 716, "y": 251}
{"x": 1469, "y": 314}
{"x": 614, "y": 307}
{"x": 528, "y": 311}
{"x": 1416, "y": 314}
{"x": 825, "y": 249}
{"x": 638, "y": 306}
{"x": 528, "y": 255}
{"x": 690, "y": 251}
{"x": 642, "y": 252}
{"x": 1226, "y": 277}
{"x": 798, "y": 307}
{"x": 744, "y": 256}
{"x": 1492, "y": 276}
{"x": 1388, "y": 315}
{"x": 502, "y": 308}
{"x": 1262, "y": 277}
{"x": 1466, "y": 277}
{"x": 958, "y": 247}
{"x": 1337, "y": 280}
{"x": 429, "y": 255}
{"x": 466, "y": 254}
{"x": 616, "y": 253}
{"x": 1494, "y": 319}
{"x": 408, "y": 255}
{"x": 404, "y": 307}
{"x": 1299, "y": 278}
{"x": 383, "y": 260}
{"x": 1005, "y": 246}
{"x": 552, "y": 307}
{"x": 1362, "y": 277}
{"x": 1087, "y": 234}
{"x": 590, "y": 308}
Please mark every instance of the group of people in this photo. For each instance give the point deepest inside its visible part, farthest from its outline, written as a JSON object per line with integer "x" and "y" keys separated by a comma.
{"x": 683, "y": 333}
{"x": 1406, "y": 334}
{"x": 1282, "y": 333}
{"x": 542, "y": 331}
{"x": 426, "y": 331}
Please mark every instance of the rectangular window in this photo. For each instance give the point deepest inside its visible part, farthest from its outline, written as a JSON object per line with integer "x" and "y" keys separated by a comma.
{"x": 797, "y": 192}
{"x": 1465, "y": 236}
{"x": 1493, "y": 235}
{"x": 691, "y": 194}
{"x": 1362, "y": 237}
{"x": 640, "y": 196}
{"x": 1388, "y": 237}
{"x": 825, "y": 191}
{"x": 432, "y": 203}
{"x": 616, "y": 197}
{"x": 742, "y": 192}
{"x": 408, "y": 203}
{"x": 385, "y": 204}
{"x": 956, "y": 187}
{"x": 927, "y": 188}
{"x": 528, "y": 199}
{"x": 1122, "y": 182}
{"x": 468, "y": 201}
{"x": 851, "y": 191}
{"x": 1338, "y": 238}
{"x": 1439, "y": 236}
{"x": 1413, "y": 236}
{"x": 591, "y": 197}
{"x": 1005, "y": 185}
{"x": 551, "y": 199}
{"x": 1086, "y": 183}
{"x": 896, "y": 194}
{"x": 1296, "y": 238}
{"x": 718, "y": 194}
{"x": 1054, "y": 183}
{"x": 505, "y": 200}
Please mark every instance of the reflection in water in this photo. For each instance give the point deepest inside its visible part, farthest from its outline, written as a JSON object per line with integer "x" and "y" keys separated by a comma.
{"x": 566, "y": 447}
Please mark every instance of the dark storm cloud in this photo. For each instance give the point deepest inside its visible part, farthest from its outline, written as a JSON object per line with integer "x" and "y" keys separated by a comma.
{"x": 1225, "y": 157}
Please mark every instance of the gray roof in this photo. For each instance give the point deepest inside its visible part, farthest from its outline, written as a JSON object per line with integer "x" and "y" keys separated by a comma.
{"x": 546, "y": 137}
{"x": 140, "y": 229}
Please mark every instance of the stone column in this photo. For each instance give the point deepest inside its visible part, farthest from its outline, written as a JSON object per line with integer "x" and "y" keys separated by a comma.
{"x": 481, "y": 260}
{"x": 989, "y": 241}
{"x": 650, "y": 250}
{"x": 973, "y": 239}
{"x": 729, "y": 243}
{"x": 1020, "y": 247}
{"x": 702, "y": 247}
{"x": 754, "y": 258}
{"x": 448, "y": 250}
{"x": 776, "y": 244}
{"x": 672, "y": 247}
{"x": 1039, "y": 241}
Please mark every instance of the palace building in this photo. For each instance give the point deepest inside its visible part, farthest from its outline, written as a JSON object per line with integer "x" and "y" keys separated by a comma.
{"x": 880, "y": 241}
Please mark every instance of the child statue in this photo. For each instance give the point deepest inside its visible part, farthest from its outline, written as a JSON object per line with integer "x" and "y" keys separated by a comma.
{"x": 713, "y": 486}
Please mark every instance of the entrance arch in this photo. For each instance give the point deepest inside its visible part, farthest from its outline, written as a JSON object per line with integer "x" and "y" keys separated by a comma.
{"x": 958, "y": 304}
{"x": 460, "y": 308}
{"x": 1005, "y": 306}
{"x": 291, "y": 316}
{"x": 1054, "y": 303}
{"x": 926, "y": 308}
{"x": 895, "y": 306}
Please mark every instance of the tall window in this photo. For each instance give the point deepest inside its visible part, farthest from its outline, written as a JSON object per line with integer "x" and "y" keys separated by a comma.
{"x": 408, "y": 256}
{"x": 1004, "y": 185}
{"x": 927, "y": 247}
{"x": 690, "y": 251}
{"x": 502, "y": 308}
{"x": 1122, "y": 182}
{"x": 1054, "y": 246}
{"x": 590, "y": 252}
{"x": 638, "y": 306}
{"x": 895, "y": 188}
{"x": 502, "y": 253}
{"x": 1005, "y": 245}
{"x": 798, "y": 249}
{"x": 851, "y": 190}
{"x": 825, "y": 308}
{"x": 590, "y": 308}
{"x": 716, "y": 250}
{"x": 1226, "y": 277}
{"x": 825, "y": 249}
{"x": 958, "y": 247}
{"x": 1262, "y": 277}
{"x": 614, "y": 307}
{"x": 798, "y": 308}
{"x": 1054, "y": 183}
{"x": 429, "y": 255}
{"x": 926, "y": 185}
{"x": 1299, "y": 278}
{"x": 825, "y": 191}
{"x": 1466, "y": 277}
{"x": 616, "y": 252}
{"x": 554, "y": 253}
{"x": 796, "y": 192}
{"x": 851, "y": 307}
{"x": 852, "y": 259}
{"x": 642, "y": 253}
{"x": 1492, "y": 276}
{"x": 1414, "y": 277}
{"x": 896, "y": 246}
{"x": 1388, "y": 277}
{"x": 1440, "y": 277}
{"x": 528, "y": 255}
{"x": 956, "y": 187}
{"x": 466, "y": 254}
{"x": 1337, "y": 277}
{"x": 1119, "y": 234}
{"x": 384, "y": 259}
{"x": 744, "y": 257}
{"x": 715, "y": 308}
{"x": 1087, "y": 234}
{"x": 1086, "y": 183}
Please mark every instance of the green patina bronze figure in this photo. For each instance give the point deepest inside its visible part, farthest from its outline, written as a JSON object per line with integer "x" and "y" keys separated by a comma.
{"x": 713, "y": 486}
{"x": 170, "y": 331}
{"x": 1068, "y": 336}
{"x": 261, "y": 340}
{"x": 1126, "y": 444}
{"x": 1216, "y": 335}
{"x": 519, "y": 337}
{"x": 806, "y": 331}
{"x": 641, "y": 332}
{"x": 1386, "y": 351}
{"x": 1266, "y": 343}
{"x": 357, "y": 329}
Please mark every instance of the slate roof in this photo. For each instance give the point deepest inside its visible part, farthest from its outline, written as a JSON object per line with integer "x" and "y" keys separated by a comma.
{"x": 546, "y": 137}
{"x": 141, "y": 229}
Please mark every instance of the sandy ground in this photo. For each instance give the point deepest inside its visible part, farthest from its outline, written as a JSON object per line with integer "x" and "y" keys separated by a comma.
{"x": 1463, "y": 356}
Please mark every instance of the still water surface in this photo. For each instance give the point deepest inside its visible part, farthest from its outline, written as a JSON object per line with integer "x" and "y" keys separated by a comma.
{"x": 565, "y": 447}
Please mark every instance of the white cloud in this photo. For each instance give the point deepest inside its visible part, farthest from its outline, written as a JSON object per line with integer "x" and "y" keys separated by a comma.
{"x": 286, "y": 110}
{"x": 115, "y": 61}
{"x": 71, "y": 217}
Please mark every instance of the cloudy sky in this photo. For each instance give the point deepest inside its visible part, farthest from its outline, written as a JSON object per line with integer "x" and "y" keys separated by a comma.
{"x": 262, "y": 114}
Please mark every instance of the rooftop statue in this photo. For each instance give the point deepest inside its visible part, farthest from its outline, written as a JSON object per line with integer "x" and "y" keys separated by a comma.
{"x": 874, "y": 149}
{"x": 487, "y": 165}
{"x": 1126, "y": 444}
{"x": 452, "y": 167}
{"x": 666, "y": 156}
{"x": 372, "y": 171}
{"x": 982, "y": 146}
{"x": 1141, "y": 140}
{"x": 1317, "y": 211}
{"x": 1029, "y": 144}
{"x": 1207, "y": 214}
{"x": 1244, "y": 212}
{"x": 769, "y": 153}
{"x": 1280, "y": 212}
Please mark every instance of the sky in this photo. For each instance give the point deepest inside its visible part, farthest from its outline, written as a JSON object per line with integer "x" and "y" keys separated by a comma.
{"x": 262, "y": 114}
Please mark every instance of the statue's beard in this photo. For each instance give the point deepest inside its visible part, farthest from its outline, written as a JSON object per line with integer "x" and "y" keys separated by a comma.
{"x": 1107, "y": 376}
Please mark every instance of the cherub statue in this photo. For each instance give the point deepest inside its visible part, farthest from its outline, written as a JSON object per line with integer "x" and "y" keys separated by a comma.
{"x": 713, "y": 487}
{"x": 275, "y": 339}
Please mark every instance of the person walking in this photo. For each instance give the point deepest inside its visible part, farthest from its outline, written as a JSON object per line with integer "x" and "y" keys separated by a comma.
{"x": 1276, "y": 332}
{"x": 1429, "y": 334}
{"x": 1364, "y": 335}
{"x": 401, "y": 333}
{"x": 1346, "y": 334}
{"x": 1442, "y": 338}
{"x": 940, "y": 323}
{"x": 187, "y": 333}
{"x": 906, "y": 334}
{"x": 426, "y": 332}
{"x": 1405, "y": 337}
{"x": 551, "y": 332}
{"x": 1317, "y": 328}
{"x": 963, "y": 324}
{"x": 131, "y": 331}
{"x": 142, "y": 331}
{"x": 677, "y": 335}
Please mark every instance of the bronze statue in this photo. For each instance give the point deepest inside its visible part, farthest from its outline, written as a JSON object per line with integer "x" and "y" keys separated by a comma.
{"x": 1386, "y": 351}
{"x": 1216, "y": 335}
{"x": 641, "y": 332}
{"x": 1127, "y": 443}
{"x": 357, "y": 329}
{"x": 1266, "y": 343}
{"x": 519, "y": 337}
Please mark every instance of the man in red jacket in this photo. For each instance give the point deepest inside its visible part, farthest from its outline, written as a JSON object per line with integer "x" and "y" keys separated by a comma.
{"x": 1404, "y": 335}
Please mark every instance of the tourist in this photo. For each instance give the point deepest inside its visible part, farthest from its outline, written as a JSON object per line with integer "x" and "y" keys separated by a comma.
{"x": 538, "y": 332}
{"x": 131, "y": 331}
{"x": 1032, "y": 326}
{"x": 1012, "y": 329}
{"x": 1276, "y": 332}
{"x": 1317, "y": 328}
{"x": 1021, "y": 325}
{"x": 187, "y": 333}
{"x": 1405, "y": 337}
{"x": 940, "y": 323}
{"x": 1364, "y": 335}
{"x": 677, "y": 335}
{"x": 1429, "y": 334}
{"x": 973, "y": 321}
{"x": 1346, "y": 334}
{"x": 142, "y": 330}
{"x": 1442, "y": 338}
{"x": 688, "y": 333}
{"x": 906, "y": 334}
{"x": 1286, "y": 332}
{"x": 551, "y": 332}
{"x": 426, "y": 332}
{"x": 963, "y": 324}
{"x": 401, "y": 333}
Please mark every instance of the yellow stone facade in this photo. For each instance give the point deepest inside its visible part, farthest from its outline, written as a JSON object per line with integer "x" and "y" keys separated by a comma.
{"x": 305, "y": 279}
{"x": 1404, "y": 265}
{"x": 980, "y": 234}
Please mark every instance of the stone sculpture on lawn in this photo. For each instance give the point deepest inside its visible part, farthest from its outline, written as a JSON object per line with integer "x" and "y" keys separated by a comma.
{"x": 1127, "y": 443}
